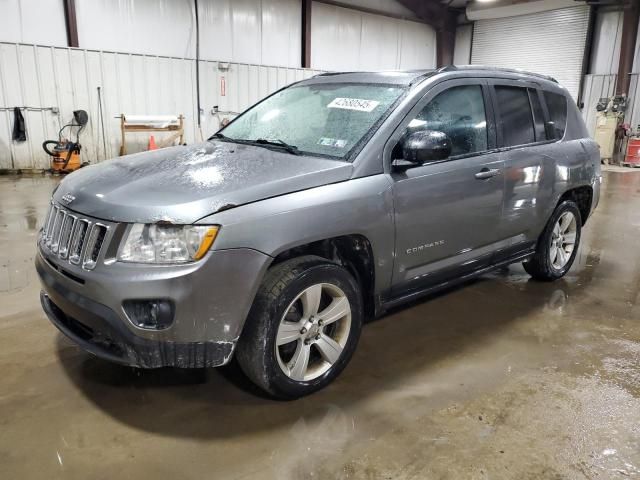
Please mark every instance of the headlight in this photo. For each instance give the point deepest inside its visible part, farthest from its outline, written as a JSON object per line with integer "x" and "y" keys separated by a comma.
{"x": 158, "y": 243}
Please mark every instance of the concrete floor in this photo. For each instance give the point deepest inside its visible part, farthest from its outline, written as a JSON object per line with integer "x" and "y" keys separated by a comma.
{"x": 503, "y": 378}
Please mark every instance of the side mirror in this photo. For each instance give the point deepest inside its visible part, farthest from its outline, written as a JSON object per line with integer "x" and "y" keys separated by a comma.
{"x": 426, "y": 146}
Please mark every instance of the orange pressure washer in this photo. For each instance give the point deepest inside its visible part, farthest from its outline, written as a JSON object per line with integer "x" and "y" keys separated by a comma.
{"x": 66, "y": 153}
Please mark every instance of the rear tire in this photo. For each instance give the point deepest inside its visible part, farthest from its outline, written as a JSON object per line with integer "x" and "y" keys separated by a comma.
{"x": 303, "y": 327}
{"x": 558, "y": 245}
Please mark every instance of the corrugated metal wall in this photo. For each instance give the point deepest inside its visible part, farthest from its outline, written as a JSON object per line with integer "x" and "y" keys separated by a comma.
{"x": 67, "y": 79}
{"x": 632, "y": 117}
{"x": 368, "y": 42}
{"x": 266, "y": 32}
{"x": 607, "y": 36}
{"x": 33, "y": 21}
{"x": 600, "y": 86}
{"x": 595, "y": 87}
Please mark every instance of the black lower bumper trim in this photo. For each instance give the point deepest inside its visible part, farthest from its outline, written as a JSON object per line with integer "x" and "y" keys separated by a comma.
{"x": 117, "y": 346}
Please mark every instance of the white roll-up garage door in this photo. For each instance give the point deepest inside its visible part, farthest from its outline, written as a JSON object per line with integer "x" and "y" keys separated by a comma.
{"x": 551, "y": 42}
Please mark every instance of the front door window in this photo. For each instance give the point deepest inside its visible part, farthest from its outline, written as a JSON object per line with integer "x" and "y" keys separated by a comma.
{"x": 459, "y": 112}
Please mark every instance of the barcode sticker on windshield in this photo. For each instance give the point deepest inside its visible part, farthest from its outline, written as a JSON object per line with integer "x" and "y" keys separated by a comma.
{"x": 332, "y": 142}
{"x": 354, "y": 104}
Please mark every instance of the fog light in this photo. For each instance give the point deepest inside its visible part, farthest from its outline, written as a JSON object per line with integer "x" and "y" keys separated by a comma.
{"x": 150, "y": 314}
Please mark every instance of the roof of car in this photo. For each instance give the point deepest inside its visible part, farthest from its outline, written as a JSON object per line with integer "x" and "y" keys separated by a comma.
{"x": 406, "y": 77}
{"x": 409, "y": 77}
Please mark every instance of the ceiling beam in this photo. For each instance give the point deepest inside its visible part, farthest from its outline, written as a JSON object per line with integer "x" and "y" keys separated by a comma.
{"x": 432, "y": 12}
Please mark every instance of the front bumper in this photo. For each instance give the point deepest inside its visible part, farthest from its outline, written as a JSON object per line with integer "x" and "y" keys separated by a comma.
{"x": 211, "y": 298}
{"x": 106, "y": 341}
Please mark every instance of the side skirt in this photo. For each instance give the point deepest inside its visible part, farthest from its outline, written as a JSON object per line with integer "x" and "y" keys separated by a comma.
{"x": 392, "y": 302}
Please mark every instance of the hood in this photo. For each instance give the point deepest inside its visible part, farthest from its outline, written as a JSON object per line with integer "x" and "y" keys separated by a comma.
{"x": 183, "y": 184}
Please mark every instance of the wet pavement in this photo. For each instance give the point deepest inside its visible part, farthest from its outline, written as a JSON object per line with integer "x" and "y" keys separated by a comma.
{"x": 502, "y": 378}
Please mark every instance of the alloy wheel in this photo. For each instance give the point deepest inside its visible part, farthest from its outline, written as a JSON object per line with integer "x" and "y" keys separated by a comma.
{"x": 313, "y": 332}
{"x": 563, "y": 240}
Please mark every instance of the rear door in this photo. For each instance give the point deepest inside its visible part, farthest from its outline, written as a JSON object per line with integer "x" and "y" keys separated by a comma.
{"x": 447, "y": 213}
{"x": 524, "y": 136}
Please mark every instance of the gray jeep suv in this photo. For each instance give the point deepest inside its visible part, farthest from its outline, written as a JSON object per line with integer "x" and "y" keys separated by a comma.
{"x": 324, "y": 204}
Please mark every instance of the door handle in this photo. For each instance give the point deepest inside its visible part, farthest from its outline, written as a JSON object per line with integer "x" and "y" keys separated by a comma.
{"x": 486, "y": 173}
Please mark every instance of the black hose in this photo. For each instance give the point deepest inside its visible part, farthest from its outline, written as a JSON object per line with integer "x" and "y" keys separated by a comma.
{"x": 62, "y": 129}
{"x": 69, "y": 152}
{"x": 46, "y": 149}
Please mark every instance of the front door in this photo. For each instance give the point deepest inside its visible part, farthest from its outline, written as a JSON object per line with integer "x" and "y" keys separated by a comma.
{"x": 447, "y": 213}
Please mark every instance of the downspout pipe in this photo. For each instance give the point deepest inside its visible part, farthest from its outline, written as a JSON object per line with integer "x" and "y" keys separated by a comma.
{"x": 198, "y": 66}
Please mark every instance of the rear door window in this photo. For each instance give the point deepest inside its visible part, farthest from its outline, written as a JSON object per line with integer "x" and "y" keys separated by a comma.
{"x": 515, "y": 115}
{"x": 538, "y": 116}
{"x": 557, "y": 105}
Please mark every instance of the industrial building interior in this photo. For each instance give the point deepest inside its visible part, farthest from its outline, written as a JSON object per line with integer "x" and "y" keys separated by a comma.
{"x": 497, "y": 377}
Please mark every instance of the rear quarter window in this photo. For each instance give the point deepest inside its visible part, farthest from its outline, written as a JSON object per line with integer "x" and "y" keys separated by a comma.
{"x": 557, "y": 106}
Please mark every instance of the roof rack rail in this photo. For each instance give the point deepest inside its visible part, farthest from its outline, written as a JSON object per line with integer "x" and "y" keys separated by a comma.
{"x": 330, "y": 74}
{"x": 453, "y": 68}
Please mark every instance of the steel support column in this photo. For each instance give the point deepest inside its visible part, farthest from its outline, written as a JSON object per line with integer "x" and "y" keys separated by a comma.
{"x": 628, "y": 45}
{"x": 71, "y": 23}
{"x": 306, "y": 34}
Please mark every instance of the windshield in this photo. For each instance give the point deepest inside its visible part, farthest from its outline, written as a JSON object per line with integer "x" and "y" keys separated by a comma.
{"x": 322, "y": 119}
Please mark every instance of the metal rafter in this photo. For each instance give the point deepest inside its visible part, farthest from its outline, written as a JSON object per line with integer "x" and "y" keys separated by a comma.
{"x": 432, "y": 12}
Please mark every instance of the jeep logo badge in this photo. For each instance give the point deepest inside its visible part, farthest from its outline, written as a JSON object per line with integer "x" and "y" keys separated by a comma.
{"x": 67, "y": 198}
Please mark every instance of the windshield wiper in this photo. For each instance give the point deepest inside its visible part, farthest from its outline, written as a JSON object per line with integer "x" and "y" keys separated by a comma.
{"x": 220, "y": 136}
{"x": 260, "y": 141}
{"x": 278, "y": 143}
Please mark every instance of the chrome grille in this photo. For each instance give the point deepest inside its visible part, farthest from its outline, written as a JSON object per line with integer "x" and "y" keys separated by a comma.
{"x": 57, "y": 228}
{"x": 77, "y": 240}
{"x": 94, "y": 244}
{"x": 50, "y": 221}
{"x": 45, "y": 224}
{"x": 65, "y": 235}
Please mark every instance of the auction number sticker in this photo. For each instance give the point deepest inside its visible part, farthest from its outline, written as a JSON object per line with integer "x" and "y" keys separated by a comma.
{"x": 332, "y": 142}
{"x": 354, "y": 104}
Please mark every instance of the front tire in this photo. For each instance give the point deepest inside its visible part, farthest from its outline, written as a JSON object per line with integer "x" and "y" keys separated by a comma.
{"x": 558, "y": 245}
{"x": 303, "y": 327}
